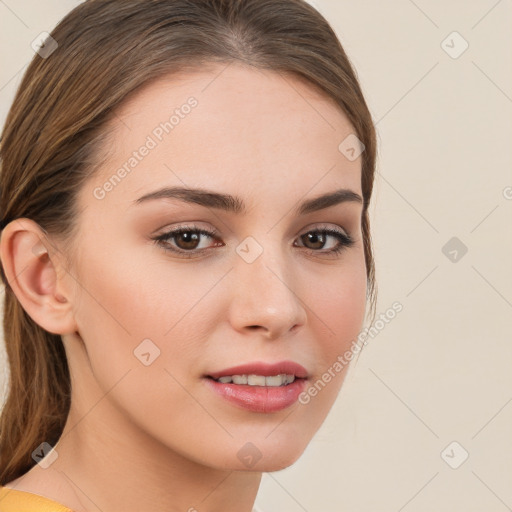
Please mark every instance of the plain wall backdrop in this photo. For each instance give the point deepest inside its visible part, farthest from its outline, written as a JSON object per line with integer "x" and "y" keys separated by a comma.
{"x": 424, "y": 419}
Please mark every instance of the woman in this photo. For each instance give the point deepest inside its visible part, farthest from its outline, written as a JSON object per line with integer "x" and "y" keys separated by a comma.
{"x": 185, "y": 249}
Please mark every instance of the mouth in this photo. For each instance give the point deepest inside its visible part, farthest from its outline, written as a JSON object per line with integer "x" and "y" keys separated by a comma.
{"x": 282, "y": 373}
{"x": 272, "y": 381}
{"x": 260, "y": 387}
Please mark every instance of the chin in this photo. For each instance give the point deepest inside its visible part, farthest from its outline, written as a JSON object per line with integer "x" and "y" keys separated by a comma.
{"x": 256, "y": 455}
{"x": 277, "y": 465}
{"x": 270, "y": 458}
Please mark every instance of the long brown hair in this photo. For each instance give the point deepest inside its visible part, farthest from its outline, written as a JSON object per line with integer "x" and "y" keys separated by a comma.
{"x": 51, "y": 142}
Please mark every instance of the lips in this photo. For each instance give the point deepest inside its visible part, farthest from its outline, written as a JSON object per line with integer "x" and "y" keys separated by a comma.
{"x": 264, "y": 369}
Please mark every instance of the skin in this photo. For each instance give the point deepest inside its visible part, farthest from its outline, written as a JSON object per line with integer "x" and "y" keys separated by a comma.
{"x": 156, "y": 437}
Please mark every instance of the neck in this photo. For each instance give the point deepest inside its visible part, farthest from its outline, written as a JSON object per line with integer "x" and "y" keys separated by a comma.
{"x": 110, "y": 464}
{"x": 107, "y": 462}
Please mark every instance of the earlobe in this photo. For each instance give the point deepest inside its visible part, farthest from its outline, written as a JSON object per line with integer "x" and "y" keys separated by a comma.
{"x": 31, "y": 265}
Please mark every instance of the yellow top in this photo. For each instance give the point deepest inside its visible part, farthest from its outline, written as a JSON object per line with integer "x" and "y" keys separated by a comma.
{"x": 12, "y": 500}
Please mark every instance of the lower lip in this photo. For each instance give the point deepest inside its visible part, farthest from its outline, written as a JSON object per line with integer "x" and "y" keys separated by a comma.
{"x": 259, "y": 398}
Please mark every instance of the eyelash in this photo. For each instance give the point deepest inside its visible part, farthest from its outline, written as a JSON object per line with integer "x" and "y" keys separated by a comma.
{"x": 345, "y": 241}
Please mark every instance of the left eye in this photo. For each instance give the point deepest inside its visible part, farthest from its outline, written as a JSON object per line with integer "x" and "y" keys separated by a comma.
{"x": 319, "y": 237}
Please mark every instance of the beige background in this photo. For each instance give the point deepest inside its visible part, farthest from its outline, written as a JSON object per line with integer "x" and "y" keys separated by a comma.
{"x": 440, "y": 371}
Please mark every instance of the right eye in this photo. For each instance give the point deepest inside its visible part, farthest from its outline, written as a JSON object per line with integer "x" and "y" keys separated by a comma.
{"x": 186, "y": 239}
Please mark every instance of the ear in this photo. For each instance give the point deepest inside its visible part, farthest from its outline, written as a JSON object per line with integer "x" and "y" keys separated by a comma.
{"x": 32, "y": 266}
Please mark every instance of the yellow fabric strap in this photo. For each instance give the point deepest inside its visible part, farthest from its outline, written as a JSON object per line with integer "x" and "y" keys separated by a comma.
{"x": 12, "y": 500}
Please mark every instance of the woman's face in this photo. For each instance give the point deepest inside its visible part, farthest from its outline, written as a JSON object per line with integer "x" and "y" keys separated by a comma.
{"x": 262, "y": 284}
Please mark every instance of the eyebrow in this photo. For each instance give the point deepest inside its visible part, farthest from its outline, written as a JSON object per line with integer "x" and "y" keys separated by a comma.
{"x": 236, "y": 205}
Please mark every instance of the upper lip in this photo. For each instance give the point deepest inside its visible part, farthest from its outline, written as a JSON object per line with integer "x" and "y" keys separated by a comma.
{"x": 265, "y": 369}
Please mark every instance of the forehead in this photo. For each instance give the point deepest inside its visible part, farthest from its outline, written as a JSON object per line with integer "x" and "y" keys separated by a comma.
{"x": 228, "y": 127}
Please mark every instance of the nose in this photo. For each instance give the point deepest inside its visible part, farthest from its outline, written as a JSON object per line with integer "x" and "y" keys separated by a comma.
{"x": 264, "y": 298}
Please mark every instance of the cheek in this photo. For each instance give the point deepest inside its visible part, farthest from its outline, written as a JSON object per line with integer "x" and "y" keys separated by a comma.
{"x": 346, "y": 308}
{"x": 337, "y": 306}
{"x": 125, "y": 301}
{"x": 114, "y": 312}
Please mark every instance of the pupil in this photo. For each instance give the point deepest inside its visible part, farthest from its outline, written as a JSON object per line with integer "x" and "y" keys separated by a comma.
{"x": 316, "y": 238}
{"x": 191, "y": 240}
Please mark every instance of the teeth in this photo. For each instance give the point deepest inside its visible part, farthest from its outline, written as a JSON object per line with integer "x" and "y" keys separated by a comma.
{"x": 240, "y": 379}
{"x": 254, "y": 380}
{"x": 258, "y": 380}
